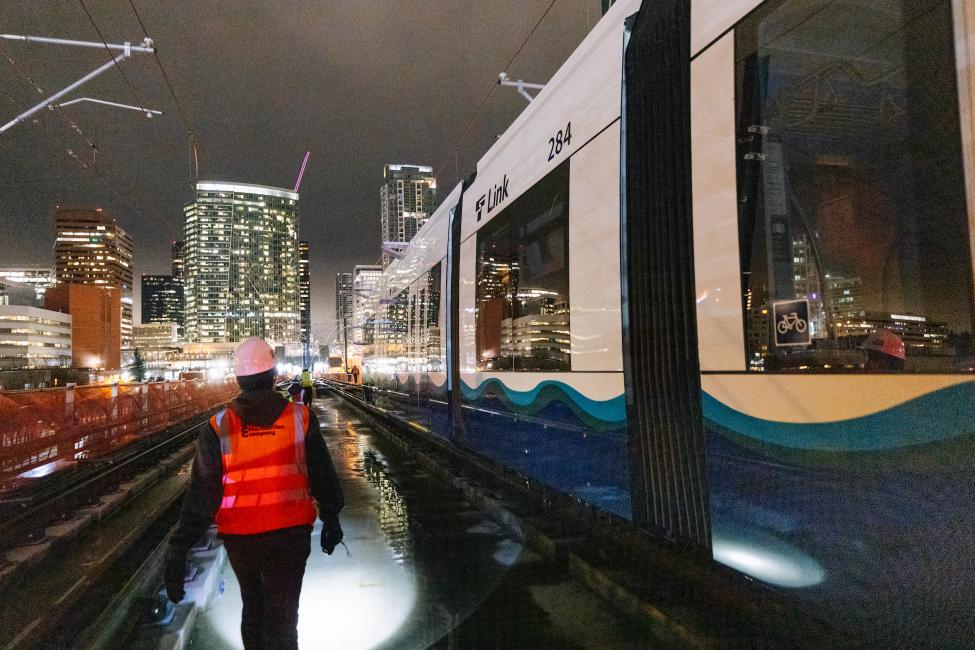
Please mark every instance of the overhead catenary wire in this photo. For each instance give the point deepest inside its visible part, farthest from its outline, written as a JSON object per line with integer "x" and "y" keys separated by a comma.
{"x": 172, "y": 93}
{"x": 494, "y": 85}
{"x": 68, "y": 150}
{"x": 91, "y": 19}
{"x": 74, "y": 126}
{"x": 135, "y": 94}
{"x": 194, "y": 168}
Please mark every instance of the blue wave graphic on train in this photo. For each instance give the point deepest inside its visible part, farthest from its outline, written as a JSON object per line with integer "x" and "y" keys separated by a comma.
{"x": 934, "y": 417}
{"x": 609, "y": 411}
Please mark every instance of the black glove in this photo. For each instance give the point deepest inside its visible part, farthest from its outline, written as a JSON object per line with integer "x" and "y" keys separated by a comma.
{"x": 175, "y": 576}
{"x": 331, "y": 535}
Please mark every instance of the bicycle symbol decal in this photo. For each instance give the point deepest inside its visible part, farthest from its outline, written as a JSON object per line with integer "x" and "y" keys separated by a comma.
{"x": 791, "y": 318}
{"x": 789, "y": 322}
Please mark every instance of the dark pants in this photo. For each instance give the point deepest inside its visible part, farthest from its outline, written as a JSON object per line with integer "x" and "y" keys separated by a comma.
{"x": 270, "y": 567}
{"x": 306, "y": 395}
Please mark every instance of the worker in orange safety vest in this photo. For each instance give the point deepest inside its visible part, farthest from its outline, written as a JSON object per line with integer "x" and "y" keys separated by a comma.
{"x": 261, "y": 468}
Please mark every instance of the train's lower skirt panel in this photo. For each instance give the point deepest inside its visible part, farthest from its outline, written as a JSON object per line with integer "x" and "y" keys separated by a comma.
{"x": 868, "y": 521}
{"x": 551, "y": 433}
{"x": 555, "y": 435}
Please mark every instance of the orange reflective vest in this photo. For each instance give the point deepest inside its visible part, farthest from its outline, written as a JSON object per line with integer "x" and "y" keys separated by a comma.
{"x": 265, "y": 476}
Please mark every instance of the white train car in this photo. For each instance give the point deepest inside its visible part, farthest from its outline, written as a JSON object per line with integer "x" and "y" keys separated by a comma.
{"x": 716, "y": 279}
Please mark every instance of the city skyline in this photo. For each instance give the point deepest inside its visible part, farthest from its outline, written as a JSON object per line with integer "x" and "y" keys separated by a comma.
{"x": 148, "y": 164}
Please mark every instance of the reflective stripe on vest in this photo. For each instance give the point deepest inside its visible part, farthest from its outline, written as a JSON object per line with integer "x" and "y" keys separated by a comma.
{"x": 265, "y": 476}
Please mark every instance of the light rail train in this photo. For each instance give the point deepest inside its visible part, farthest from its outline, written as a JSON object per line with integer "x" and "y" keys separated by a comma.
{"x": 657, "y": 294}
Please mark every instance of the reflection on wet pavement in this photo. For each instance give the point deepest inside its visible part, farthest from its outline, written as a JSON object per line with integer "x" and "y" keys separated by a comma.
{"x": 426, "y": 568}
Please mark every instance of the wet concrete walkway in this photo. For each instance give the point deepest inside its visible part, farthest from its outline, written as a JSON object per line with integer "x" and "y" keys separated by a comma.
{"x": 427, "y": 569}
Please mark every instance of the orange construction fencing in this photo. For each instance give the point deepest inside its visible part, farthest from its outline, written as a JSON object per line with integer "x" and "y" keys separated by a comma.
{"x": 54, "y": 427}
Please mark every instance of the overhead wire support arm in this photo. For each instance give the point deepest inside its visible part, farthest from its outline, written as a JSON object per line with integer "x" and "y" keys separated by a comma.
{"x": 126, "y": 52}
{"x": 124, "y": 47}
{"x": 149, "y": 112}
{"x": 520, "y": 84}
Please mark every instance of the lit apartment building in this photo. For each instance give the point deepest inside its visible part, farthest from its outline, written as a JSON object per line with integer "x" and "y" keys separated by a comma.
{"x": 154, "y": 336}
{"x": 343, "y": 307}
{"x": 304, "y": 292}
{"x": 408, "y": 197}
{"x": 241, "y": 264}
{"x": 162, "y": 299}
{"x": 92, "y": 248}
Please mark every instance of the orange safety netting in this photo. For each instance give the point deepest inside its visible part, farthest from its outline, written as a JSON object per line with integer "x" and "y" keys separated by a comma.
{"x": 42, "y": 427}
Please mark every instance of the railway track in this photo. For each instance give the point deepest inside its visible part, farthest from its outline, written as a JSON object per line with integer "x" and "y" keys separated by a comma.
{"x": 74, "y": 540}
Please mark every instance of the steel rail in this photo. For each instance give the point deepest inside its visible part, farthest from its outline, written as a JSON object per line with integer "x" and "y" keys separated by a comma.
{"x": 16, "y": 526}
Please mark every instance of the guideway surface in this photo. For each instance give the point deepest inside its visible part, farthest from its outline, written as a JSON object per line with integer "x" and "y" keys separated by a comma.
{"x": 427, "y": 568}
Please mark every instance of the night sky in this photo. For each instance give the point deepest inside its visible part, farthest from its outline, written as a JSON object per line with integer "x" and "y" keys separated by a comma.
{"x": 359, "y": 83}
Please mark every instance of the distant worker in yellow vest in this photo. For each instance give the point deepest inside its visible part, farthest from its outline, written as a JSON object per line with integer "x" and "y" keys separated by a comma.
{"x": 307, "y": 387}
{"x": 261, "y": 467}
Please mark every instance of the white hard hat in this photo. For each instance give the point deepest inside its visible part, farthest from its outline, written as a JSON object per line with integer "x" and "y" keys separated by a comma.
{"x": 253, "y": 356}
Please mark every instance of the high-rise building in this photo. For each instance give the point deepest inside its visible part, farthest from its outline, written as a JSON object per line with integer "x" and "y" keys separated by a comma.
{"x": 179, "y": 269}
{"x": 845, "y": 306}
{"x": 178, "y": 262}
{"x": 408, "y": 197}
{"x": 92, "y": 248}
{"x": 154, "y": 336}
{"x": 807, "y": 283}
{"x": 40, "y": 278}
{"x": 304, "y": 292}
{"x": 364, "y": 279}
{"x": 343, "y": 307}
{"x": 241, "y": 264}
{"x": 162, "y": 299}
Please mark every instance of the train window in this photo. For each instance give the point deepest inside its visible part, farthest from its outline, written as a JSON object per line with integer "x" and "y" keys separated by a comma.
{"x": 430, "y": 319}
{"x": 393, "y": 328}
{"x": 412, "y": 328}
{"x": 424, "y": 334}
{"x": 853, "y": 225}
{"x": 522, "y": 285}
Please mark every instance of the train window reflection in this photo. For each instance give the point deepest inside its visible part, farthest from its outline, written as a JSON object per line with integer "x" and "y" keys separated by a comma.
{"x": 390, "y": 333}
{"x": 429, "y": 335}
{"x": 522, "y": 290}
{"x": 423, "y": 347}
{"x": 853, "y": 225}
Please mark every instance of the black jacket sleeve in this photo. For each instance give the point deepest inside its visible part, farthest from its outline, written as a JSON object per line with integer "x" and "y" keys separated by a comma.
{"x": 322, "y": 479}
{"x": 202, "y": 500}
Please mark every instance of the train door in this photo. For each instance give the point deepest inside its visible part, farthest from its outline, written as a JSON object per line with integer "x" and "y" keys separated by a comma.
{"x": 663, "y": 393}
